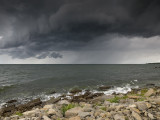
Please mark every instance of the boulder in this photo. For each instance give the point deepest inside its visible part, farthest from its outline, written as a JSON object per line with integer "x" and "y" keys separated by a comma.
{"x": 51, "y": 112}
{"x": 149, "y": 92}
{"x": 73, "y": 112}
{"x": 47, "y": 107}
{"x": 29, "y": 113}
{"x": 101, "y": 98}
{"x": 141, "y": 106}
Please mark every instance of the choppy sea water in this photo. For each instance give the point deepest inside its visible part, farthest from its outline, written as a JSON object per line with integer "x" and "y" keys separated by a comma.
{"x": 25, "y": 82}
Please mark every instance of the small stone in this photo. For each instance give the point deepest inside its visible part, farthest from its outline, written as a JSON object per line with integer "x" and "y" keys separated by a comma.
{"x": 136, "y": 116}
{"x": 106, "y": 103}
{"x": 135, "y": 110}
{"x": 84, "y": 114}
{"x": 119, "y": 117}
{"x": 75, "y": 118}
{"x": 148, "y": 105}
{"x": 134, "y": 97}
{"x": 150, "y": 115}
{"x": 87, "y": 109}
{"x": 132, "y": 106}
{"x": 63, "y": 102}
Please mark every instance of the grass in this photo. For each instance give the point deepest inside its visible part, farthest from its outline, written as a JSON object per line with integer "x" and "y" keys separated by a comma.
{"x": 117, "y": 99}
{"x": 143, "y": 91}
{"x": 19, "y": 113}
{"x": 103, "y": 108}
{"x": 114, "y": 100}
{"x": 67, "y": 107}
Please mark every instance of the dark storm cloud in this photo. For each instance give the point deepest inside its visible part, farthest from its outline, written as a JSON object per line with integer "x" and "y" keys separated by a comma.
{"x": 44, "y": 28}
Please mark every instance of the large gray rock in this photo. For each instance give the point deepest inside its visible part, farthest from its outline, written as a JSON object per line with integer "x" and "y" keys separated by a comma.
{"x": 149, "y": 92}
{"x": 73, "y": 112}
{"x": 119, "y": 117}
{"x": 136, "y": 116}
{"x": 141, "y": 106}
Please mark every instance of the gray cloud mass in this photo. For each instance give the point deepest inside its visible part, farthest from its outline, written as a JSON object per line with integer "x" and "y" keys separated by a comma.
{"x": 45, "y": 28}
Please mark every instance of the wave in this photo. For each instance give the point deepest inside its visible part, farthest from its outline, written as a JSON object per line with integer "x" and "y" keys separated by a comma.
{"x": 5, "y": 87}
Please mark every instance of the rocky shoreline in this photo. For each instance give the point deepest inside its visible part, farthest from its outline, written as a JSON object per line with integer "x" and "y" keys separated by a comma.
{"x": 138, "y": 104}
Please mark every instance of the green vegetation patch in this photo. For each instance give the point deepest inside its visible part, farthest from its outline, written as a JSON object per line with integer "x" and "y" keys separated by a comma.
{"x": 67, "y": 107}
{"x": 143, "y": 91}
{"x": 116, "y": 99}
{"x": 19, "y": 113}
{"x": 103, "y": 108}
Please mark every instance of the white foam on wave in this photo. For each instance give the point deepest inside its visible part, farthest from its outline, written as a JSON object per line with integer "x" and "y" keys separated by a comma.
{"x": 123, "y": 90}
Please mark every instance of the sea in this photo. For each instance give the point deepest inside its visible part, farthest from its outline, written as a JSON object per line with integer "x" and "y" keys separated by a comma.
{"x": 26, "y": 82}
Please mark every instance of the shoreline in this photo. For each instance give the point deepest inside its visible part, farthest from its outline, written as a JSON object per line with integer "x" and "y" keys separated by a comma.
{"x": 139, "y": 104}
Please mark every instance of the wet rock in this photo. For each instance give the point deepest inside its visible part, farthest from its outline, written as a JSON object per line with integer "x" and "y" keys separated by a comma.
{"x": 11, "y": 101}
{"x": 7, "y": 111}
{"x": 136, "y": 116}
{"x": 75, "y": 90}
{"x": 149, "y": 92}
{"x": 53, "y": 100}
{"x": 104, "y": 88}
{"x": 150, "y": 85}
{"x": 29, "y": 105}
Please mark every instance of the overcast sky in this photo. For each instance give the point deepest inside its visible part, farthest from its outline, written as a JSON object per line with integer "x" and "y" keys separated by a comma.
{"x": 79, "y": 31}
